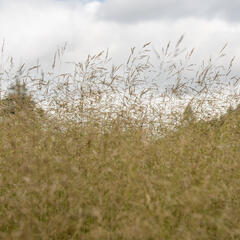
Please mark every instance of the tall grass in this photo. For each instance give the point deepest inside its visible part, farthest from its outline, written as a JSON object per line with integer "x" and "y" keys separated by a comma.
{"x": 146, "y": 150}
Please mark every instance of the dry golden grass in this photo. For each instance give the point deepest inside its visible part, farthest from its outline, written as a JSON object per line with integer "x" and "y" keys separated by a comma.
{"x": 106, "y": 161}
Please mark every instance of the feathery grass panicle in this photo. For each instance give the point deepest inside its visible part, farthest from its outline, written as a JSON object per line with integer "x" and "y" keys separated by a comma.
{"x": 145, "y": 150}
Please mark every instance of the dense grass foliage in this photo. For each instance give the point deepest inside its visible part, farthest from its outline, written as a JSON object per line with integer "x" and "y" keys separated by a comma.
{"x": 118, "y": 173}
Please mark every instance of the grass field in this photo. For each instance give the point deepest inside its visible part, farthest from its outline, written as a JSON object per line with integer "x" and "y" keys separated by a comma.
{"x": 104, "y": 160}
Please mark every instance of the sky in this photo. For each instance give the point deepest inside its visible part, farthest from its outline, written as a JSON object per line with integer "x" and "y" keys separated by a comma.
{"x": 34, "y": 29}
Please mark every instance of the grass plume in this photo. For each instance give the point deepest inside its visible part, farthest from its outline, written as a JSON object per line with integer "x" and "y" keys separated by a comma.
{"x": 145, "y": 150}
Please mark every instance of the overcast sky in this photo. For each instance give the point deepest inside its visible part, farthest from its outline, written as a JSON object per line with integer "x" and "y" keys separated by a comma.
{"x": 35, "y": 28}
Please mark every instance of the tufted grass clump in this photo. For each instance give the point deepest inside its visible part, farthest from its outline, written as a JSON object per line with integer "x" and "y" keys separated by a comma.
{"x": 108, "y": 152}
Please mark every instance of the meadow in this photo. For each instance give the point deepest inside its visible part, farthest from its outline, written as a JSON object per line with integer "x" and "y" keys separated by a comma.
{"x": 108, "y": 152}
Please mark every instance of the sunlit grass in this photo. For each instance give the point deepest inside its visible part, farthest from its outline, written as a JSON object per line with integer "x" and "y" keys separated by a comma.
{"x": 106, "y": 160}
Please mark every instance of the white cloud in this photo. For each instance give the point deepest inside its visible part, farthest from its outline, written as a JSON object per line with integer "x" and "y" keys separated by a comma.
{"x": 34, "y": 29}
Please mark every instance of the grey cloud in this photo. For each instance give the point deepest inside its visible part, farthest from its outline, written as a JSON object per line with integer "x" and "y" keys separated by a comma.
{"x": 140, "y": 10}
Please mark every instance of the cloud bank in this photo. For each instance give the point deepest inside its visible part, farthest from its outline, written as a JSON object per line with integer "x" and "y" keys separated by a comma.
{"x": 140, "y": 10}
{"x": 34, "y": 29}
